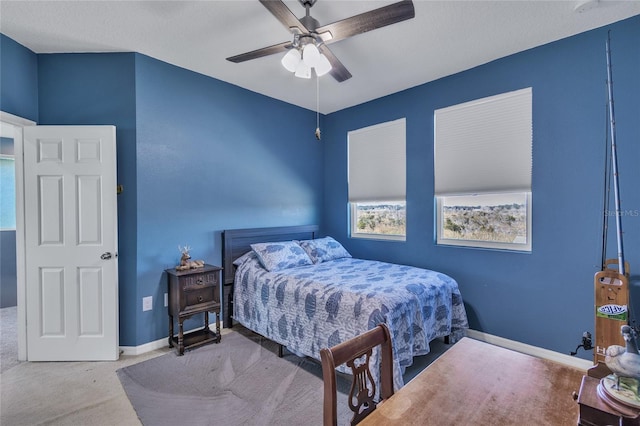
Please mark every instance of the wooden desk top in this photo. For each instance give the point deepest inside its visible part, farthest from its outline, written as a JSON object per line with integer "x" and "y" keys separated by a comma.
{"x": 476, "y": 383}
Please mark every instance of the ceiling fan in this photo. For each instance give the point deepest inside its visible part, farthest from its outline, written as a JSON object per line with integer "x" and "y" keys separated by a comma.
{"x": 309, "y": 46}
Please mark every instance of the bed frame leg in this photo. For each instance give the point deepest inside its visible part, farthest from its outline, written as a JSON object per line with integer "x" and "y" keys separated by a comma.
{"x": 446, "y": 339}
{"x": 280, "y": 351}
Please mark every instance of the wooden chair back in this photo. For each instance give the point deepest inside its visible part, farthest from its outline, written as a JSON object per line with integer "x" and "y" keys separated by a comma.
{"x": 363, "y": 388}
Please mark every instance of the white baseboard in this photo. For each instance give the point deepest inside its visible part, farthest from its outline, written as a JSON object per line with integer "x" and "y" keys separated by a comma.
{"x": 536, "y": 351}
{"x": 147, "y": 347}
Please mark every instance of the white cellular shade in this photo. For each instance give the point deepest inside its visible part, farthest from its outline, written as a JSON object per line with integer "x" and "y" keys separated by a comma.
{"x": 484, "y": 145}
{"x": 377, "y": 162}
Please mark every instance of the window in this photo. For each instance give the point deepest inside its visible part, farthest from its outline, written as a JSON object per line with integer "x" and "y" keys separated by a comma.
{"x": 482, "y": 171}
{"x": 7, "y": 193}
{"x": 377, "y": 181}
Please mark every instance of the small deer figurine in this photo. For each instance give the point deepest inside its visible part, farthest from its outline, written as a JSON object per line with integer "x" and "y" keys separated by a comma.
{"x": 185, "y": 262}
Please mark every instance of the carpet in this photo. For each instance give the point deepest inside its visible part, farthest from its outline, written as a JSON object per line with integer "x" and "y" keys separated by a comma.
{"x": 240, "y": 381}
{"x": 8, "y": 338}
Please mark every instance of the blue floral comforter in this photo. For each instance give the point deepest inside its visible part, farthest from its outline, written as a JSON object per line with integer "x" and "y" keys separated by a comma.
{"x": 311, "y": 307}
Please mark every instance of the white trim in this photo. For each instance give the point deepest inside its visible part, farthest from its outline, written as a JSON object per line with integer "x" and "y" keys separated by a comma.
{"x": 21, "y": 261}
{"x": 379, "y": 237}
{"x": 536, "y": 351}
{"x": 18, "y": 123}
{"x": 147, "y": 347}
{"x": 15, "y": 120}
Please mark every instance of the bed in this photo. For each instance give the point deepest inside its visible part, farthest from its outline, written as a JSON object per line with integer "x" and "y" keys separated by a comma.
{"x": 319, "y": 295}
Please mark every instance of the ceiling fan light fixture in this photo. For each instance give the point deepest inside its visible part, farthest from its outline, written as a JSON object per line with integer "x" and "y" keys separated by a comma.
{"x": 303, "y": 70}
{"x": 291, "y": 60}
{"x": 323, "y": 66}
{"x": 302, "y": 61}
{"x": 310, "y": 55}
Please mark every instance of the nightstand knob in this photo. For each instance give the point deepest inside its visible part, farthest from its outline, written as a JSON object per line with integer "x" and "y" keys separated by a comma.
{"x": 200, "y": 298}
{"x": 200, "y": 281}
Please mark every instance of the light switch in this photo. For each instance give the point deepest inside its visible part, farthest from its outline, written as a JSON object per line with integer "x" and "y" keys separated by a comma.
{"x": 147, "y": 303}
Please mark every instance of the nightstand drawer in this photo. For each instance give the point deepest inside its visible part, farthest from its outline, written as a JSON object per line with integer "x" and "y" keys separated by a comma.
{"x": 198, "y": 280}
{"x": 196, "y": 296}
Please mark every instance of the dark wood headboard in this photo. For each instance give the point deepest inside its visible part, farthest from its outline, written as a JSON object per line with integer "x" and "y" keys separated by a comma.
{"x": 236, "y": 242}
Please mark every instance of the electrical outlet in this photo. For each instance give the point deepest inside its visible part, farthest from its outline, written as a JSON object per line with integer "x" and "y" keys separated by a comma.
{"x": 147, "y": 303}
{"x": 166, "y": 300}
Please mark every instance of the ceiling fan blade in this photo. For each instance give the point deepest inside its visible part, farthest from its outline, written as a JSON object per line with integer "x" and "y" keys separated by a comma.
{"x": 259, "y": 53}
{"x": 358, "y": 24}
{"x": 284, "y": 15}
{"x": 338, "y": 70}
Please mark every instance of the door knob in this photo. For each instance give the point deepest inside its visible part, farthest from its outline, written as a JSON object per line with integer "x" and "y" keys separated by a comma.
{"x": 105, "y": 256}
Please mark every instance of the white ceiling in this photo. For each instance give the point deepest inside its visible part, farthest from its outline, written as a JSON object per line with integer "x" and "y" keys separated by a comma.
{"x": 445, "y": 37}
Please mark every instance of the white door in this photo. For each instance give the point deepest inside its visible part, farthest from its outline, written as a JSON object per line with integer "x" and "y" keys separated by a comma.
{"x": 71, "y": 243}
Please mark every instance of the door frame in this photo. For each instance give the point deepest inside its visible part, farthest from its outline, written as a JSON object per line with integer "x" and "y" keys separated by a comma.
{"x": 15, "y": 125}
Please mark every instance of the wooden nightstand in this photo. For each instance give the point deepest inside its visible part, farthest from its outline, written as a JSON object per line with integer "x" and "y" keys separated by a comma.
{"x": 191, "y": 292}
{"x": 599, "y": 409}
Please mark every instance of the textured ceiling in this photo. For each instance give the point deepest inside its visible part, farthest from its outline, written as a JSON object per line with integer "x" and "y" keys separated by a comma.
{"x": 445, "y": 37}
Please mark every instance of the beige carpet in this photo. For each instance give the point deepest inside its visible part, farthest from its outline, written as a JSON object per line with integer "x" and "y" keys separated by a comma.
{"x": 61, "y": 393}
{"x": 8, "y": 338}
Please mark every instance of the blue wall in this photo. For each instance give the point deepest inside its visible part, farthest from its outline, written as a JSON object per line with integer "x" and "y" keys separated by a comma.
{"x": 19, "y": 82}
{"x": 8, "y": 277}
{"x": 212, "y": 156}
{"x": 544, "y": 298}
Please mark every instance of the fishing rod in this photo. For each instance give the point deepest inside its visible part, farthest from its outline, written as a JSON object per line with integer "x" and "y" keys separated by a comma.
{"x": 611, "y": 287}
{"x": 606, "y": 193}
{"x": 614, "y": 159}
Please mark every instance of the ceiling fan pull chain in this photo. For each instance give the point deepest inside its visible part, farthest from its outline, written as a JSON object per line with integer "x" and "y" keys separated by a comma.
{"x": 318, "y": 136}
